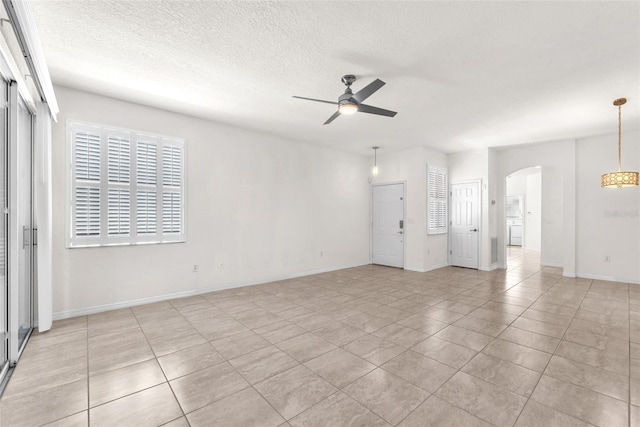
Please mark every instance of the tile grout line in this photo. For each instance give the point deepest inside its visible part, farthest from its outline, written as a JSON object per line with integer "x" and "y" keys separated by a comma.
{"x": 160, "y": 366}
{"x": 554, "y": 352}
{"x": 477, "y": 352}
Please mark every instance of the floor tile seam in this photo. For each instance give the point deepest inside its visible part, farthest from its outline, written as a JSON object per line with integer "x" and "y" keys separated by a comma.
{"x": 463, "y": 345}
{"x": 129, "y": 394}
{"x": 343, "y": 347}
{"x": 537, "y": 382}
{"x": 528, "y": 346}
{"x": 162, "y": 370}
{"x": 585, "y": 387}
{"x": 452, "y": 403}
{"x": 548, "y": 362}
{"x": 286, "y": 420}
{"x": 341, "y": 388}
{"x": 185, "y": 414}
{"x": 378, "y": 414}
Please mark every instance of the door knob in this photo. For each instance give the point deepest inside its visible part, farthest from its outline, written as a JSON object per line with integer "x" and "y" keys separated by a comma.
{"x": 474, "y": 229}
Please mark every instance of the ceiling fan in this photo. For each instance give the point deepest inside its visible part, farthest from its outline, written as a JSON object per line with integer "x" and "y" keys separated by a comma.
{"x": 349, "y": 102}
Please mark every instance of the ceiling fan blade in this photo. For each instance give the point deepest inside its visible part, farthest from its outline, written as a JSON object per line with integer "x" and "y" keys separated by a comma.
{"x": 364, "y": 108}
{"x": 332, "y": 118}
{"x": 368, "y": 90}
{"x": 317, "y": 100}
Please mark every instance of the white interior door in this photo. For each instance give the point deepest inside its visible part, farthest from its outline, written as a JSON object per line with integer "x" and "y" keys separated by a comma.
{"x": 465, "y": 224}
{"x": 388, "y": 225}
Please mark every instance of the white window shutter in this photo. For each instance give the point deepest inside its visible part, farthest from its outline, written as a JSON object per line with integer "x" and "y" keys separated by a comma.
{"x": 119, "y": 159}
{"x": 171, "y": 165}
{"x": 171, "y": 213}
{"x": 437, "y": 200}
{"x": 87, "y": 212}
{"x": 146, "y": 212}
{"x": 87, "y": 156}
{"x": 172, "y": 178}
{"x": 119, "y": 212}
{"x": 147, "y": 163}
{"x": 126, "y": 187}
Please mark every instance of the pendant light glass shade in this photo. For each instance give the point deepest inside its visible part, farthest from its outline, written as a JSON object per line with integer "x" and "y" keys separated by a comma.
{"x": 375, "y": 170}
{"x": 620, "y": 178}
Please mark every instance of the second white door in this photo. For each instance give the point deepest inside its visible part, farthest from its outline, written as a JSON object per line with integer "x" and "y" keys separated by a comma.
{"x": 388, "y": 225}
{"x": 465, "y": 224}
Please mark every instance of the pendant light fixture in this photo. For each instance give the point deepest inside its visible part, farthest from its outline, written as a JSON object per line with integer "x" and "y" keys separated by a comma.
{"x": 620, "y": 178}
{"x": 375, "y": 171}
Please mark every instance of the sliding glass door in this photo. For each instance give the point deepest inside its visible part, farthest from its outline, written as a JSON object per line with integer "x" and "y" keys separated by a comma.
{"x": 4, "y": 296}
{"x": 16, "y": 230}
{"x": 24, "y": 213}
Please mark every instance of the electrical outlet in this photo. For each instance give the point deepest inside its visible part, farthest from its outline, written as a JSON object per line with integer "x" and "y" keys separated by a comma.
{"x": 321, "y": 254}
{"x": 221, "y": 265}
{"x": 195, "y": 268}
{"x": 607, "y": 258}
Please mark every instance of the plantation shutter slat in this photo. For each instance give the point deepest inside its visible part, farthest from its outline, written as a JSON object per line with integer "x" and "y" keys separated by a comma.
{"x": 437, "y": 200}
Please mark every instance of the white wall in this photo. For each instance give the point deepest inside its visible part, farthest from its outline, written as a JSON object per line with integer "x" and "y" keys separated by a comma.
{"x": 264, "y": 207}
{"x": 558, "y": 162}
{"x": 608, "y": 222}
{"x": 533, "y": 212}
{"x": 422, "y": 252}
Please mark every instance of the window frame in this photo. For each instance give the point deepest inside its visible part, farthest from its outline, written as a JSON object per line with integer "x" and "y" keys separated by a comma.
{"x": 438, "y": 200}
{"x": 133, "y": 186}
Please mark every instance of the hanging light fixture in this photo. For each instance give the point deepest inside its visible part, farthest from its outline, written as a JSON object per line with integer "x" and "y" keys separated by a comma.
{"x": 375, "y": 171}
{"x": 621, "y": 178}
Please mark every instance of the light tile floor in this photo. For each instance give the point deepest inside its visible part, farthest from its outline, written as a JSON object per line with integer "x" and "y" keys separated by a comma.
{"x": 366, "y": 346}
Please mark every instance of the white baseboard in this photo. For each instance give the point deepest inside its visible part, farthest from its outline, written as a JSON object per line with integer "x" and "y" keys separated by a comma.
{"x": 608, "y": 278}
{"x": 423, "y": 270}
{"x": 551, "y": 264}
{"x": 489, "y": 268}
{"x": 132, "y": 303}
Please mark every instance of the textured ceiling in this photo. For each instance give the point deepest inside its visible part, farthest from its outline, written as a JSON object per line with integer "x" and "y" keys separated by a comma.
{"x": 461, "y": 75}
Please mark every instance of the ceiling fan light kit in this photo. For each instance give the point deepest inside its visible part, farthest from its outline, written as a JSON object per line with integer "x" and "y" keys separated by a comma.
{"x": 620, "y": 178}
{"x": 350, "y": 103}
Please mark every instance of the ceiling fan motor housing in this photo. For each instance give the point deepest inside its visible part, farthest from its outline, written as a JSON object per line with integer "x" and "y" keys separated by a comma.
{"x": 348, "y": 79}
{"x": 347, "y": 98}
